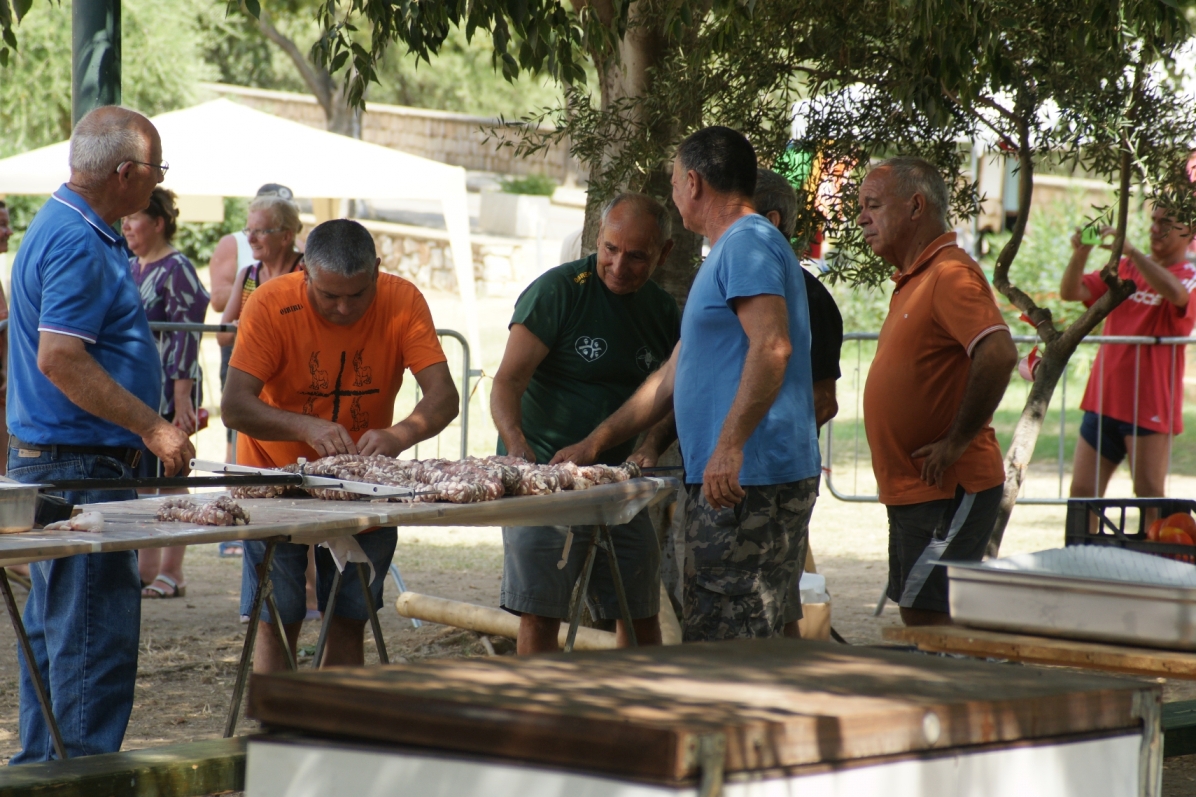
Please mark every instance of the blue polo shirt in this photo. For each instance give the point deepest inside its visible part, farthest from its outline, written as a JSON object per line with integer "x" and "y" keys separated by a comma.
{"x": 752, "y": 258}
{"x": 71, "y": 276}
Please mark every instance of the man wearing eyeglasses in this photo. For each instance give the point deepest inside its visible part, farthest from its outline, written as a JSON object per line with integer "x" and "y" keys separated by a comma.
{"x": 85, "y": 379}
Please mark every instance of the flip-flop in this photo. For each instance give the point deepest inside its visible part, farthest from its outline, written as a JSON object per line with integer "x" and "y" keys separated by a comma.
{"x": 177, "y": 590}
{"x": 230, "y": 550}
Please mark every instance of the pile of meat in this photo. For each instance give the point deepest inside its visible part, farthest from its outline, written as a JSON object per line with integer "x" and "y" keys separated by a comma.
{"x": 221, "y": 512}
{"x": 455, "y": 481}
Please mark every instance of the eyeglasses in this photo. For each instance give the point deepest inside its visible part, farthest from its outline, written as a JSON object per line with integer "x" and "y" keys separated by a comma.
{"x": 258, "y": 233}
{"x": 161, "y": 167}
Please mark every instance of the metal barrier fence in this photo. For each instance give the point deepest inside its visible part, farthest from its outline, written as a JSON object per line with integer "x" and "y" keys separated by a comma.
{"x": 1175, "y": 345}
{"x": 467, "y": 372}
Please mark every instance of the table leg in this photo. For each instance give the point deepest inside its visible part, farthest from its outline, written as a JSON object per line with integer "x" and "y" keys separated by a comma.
{"x": 579, "y": 597}
{"x": 43, "y": 699}
{"x": 329, "y": 611}
{"x": 255, "y": 616}
{"x": 617, "y": 578}
{"x": 375, "y": 625}
{"x": 280, "y": 633}
{"x": 398, "y": 579}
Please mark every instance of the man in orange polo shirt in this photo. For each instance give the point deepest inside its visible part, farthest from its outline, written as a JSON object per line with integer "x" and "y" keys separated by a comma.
{"x": 318, "y": 361}
{"x": 942, "y": 364}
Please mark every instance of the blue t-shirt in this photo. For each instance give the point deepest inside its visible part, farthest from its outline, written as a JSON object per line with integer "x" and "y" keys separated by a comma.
{"x": 751, "y": 258}
{"x": 71, "y": 276}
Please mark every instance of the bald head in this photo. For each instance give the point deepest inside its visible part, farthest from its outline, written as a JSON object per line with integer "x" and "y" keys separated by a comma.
{"x": 107, "y": 137}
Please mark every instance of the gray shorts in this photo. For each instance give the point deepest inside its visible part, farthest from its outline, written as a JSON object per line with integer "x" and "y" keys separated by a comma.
{"x": 532, "y": 583}
{"x": 741, "y": 562}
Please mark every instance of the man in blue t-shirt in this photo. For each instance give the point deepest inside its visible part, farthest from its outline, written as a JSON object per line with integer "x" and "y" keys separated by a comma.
{"x": 744, "y": 405}
{"x": 84, "y": 387}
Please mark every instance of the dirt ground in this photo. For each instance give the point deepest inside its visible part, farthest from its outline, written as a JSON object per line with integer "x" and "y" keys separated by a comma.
{"x": 190, "y": 646}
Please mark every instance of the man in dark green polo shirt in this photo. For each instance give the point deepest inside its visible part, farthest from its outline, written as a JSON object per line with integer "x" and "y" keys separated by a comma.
{"x": 583, "y": 337}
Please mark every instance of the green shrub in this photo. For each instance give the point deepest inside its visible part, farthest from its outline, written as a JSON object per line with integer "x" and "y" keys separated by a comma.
{"x": 198, "y": 240}
{"x": 537, "y": 184}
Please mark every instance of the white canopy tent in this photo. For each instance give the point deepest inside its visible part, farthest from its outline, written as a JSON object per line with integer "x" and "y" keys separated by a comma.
{"x": 221, "y": 148}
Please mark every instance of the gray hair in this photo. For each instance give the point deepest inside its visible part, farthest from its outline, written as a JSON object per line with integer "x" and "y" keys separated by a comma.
{"x": 773, "y": 192}
{"x": 284, "y": 211}
{"x": 340, "y": 246}
{"x": 646, "y": 204}
{"x": 913, "y": 175}
{"x": 105, "y": 138}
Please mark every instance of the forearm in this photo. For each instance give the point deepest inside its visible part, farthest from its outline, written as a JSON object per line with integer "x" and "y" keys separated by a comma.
{"x": 987, "y": 379}
{"x": 1071, "y": 287}
{"x": 826, "y": 405}
{"x": 759, "y": 384}
{"x": 183, "y": 392}
{"x": 1163, "y": 281}
{"x": 660, "y": 436}
{"x": 651, "y": 404}
{"x": 251, "y": 416}
{"x": 90, "y": 387}
{"x": 506, "y": 408}
{"x": 429, "y": 418}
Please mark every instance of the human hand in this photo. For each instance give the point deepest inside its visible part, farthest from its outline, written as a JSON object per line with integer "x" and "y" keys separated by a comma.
{"x": 171, "y": 445}
{"x": 1111, "y": 233}
{"x": 328, "y": 438}
{"x": 580, "y": 453}
{"x": 720, "y": 481}
{"x": 380, "y": 442}
{"x": 1077, "y": 241}
{"x": 184, "y": 414}
{"x": 937, "y": 457}
{"x": 644, "y": 456}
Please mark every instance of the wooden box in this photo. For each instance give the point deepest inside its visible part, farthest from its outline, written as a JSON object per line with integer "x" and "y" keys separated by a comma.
{"x": 650, "y": 719}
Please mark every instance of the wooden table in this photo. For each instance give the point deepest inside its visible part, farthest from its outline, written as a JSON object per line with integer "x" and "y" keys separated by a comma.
{"x": 765, "y": 716}
{"x": 131, "y": 525}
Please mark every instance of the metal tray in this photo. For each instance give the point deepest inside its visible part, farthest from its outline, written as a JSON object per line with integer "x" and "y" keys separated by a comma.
{"x": 1086, "y": 592}
{"x": 18, "y": 504}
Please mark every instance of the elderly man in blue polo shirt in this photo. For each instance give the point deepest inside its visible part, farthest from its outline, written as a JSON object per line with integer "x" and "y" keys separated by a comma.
{"x": 84, "y": 385}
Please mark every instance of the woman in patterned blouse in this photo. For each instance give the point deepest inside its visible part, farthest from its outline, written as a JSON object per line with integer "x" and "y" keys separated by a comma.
{"x": 170, "y": 291}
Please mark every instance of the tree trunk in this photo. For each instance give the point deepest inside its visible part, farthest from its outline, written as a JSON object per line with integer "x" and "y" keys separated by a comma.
{"x": 627, "y": 74}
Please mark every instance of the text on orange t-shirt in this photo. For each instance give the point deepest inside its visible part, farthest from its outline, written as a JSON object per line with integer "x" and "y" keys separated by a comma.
{"x": 346, "y": 374}
{"x": 940, "y": 309}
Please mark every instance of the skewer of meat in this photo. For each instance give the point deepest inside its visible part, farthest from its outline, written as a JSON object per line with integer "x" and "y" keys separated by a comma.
{"x": 224, "y": 511}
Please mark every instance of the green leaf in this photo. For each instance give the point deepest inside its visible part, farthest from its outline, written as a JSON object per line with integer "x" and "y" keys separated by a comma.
{"x": 254, "y": 8}
{"x": 21, "y": 8}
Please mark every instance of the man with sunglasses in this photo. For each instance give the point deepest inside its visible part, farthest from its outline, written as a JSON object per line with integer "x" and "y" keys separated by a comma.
{"x": 85, "y": 379}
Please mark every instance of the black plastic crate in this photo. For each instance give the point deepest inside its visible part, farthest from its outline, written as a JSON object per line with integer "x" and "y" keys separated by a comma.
{"x": 1113, "y": 514}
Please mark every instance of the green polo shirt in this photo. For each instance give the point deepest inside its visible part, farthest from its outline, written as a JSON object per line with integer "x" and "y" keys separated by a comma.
{"x": 601, "y": 347}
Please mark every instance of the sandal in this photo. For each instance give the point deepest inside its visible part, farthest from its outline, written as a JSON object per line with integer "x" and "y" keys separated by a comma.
{"x": 177, "y": 590}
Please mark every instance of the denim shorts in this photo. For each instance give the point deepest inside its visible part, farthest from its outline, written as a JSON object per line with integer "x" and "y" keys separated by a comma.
{"x": 1111, "y": 433}
{"x": 532, "y": 582}
{"x": 289, "y": 574}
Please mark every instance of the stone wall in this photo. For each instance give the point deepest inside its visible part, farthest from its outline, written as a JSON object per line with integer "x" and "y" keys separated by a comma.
{"x": 501, "y": 266}
{"x": 456, "y": 139}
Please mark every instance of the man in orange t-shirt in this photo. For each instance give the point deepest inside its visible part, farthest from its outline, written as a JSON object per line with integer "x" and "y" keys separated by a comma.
{"x": 942, "y": 364}
{"x": 318, "y": 361}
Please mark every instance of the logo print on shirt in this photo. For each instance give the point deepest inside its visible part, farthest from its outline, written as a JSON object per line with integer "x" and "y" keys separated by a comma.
{"x": 361, "y": 418}
{"x": 590, "y": 348}
{"x": 646, "y": 360}
{"x": 362, "y": 374}
{"x": 336, "y": 393}
{"x": 319, "y": 378}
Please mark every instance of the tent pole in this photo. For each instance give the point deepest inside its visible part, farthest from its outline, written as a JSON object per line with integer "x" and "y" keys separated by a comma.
{"x": 95, "y": 55}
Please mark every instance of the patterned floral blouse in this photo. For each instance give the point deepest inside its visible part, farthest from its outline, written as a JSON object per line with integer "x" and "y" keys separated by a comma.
{"x": 171, "y": 291}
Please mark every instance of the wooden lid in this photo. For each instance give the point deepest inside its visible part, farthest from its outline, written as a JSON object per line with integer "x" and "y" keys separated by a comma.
{"x": 642, "y": 713}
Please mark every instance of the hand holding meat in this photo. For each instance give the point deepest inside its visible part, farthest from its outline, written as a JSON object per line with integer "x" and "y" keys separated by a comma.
{"x": 380, "y": 442}
{"x": 328, "y": 438}
{"x": 583, "y": 453}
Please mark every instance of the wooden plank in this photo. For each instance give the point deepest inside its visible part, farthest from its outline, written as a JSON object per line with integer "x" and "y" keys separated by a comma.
{"x": 182, "y": 770}
{"x": 131, "y": 525}
{"x": 1047, "y": 650}
{"x": 641, "y": 712}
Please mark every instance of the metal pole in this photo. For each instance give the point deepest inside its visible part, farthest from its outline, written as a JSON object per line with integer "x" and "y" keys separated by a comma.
{"x": 608, "y": 544}
{"x": 375, "y": 625}
{"x": 579, "y": 598}
{"x": 329, "y": 610}
{"x": 43, "y": 699}
{"x": 255, "y": 616}
{"x": 95, "y": 55}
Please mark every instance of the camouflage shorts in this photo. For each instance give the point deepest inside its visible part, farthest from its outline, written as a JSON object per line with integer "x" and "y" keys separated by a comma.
{"x": 740, "y": 563}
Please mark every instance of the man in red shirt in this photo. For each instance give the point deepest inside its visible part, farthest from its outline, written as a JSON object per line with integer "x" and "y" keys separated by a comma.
{"x": 1133, "y": 402}
{"x": 942, "y": 364}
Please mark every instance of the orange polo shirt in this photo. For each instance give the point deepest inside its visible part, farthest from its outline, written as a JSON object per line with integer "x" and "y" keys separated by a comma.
{"x": 940, "y": 309}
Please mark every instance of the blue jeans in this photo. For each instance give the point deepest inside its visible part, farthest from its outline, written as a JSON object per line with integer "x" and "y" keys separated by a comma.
{"x": 83, "y": 618}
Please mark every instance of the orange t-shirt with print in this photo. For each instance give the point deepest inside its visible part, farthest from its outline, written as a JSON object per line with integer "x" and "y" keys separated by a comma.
{"x": 346, "y": 374}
